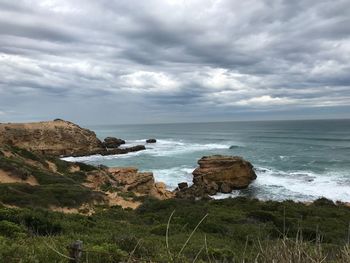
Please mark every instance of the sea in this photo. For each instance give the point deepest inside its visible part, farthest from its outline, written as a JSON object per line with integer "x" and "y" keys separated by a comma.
{"x": 294, "y": 160}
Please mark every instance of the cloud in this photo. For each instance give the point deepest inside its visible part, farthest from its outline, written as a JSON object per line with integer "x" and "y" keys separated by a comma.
{"x": 265, "y": 100}
{"x": 181, "y": 59}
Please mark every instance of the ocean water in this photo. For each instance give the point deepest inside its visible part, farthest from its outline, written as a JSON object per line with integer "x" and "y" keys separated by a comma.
{"x": 297, "y": 160}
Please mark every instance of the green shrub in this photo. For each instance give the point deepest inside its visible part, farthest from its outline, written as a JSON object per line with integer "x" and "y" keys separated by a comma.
{"x": 262, "y": 216}
{"x": 323, "y": 202}
{"x": 106, "y": 252}
{"x": 10, "y": 229}
{"x": 41, "y": 225}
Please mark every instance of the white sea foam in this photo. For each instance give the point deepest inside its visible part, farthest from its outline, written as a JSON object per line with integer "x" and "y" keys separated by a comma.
{"x": 160, "y": 148}
{"x": 170, "y": 147}
{"x": 172, "y": 176}
{"x": 298, "y": 186}
{"x": 100, "y": 158}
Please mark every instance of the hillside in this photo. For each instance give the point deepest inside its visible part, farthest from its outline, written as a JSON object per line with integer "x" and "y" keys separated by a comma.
{"x": 29, "y": 179}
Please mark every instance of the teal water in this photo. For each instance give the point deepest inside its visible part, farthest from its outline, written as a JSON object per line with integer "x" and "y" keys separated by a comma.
{"x": 298, "y": 160}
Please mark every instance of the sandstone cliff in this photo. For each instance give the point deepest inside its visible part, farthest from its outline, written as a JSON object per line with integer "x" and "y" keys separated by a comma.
{"x": 60, "y": 138}
{"x": 50, "y": 137}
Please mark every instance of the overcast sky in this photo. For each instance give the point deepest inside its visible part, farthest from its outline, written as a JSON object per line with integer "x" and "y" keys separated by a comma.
{"x": 128, "y": 61}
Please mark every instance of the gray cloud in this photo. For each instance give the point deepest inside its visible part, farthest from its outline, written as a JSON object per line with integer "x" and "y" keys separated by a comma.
{"x": 173, "y": 60}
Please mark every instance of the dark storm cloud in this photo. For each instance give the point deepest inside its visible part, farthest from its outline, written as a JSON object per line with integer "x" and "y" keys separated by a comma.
{"x": 184, "y": 60}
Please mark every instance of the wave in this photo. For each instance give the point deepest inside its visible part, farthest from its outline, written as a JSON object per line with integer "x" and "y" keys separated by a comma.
{"x": 302, "y": 185}
{"x": 304, "y": 138}
{"x": 173, "y": 147}
{"x": 160, "y": 148}
{"x": 100, "y": 158}
{"x": 274, "y": 184}
{"x": 172, "y": 176}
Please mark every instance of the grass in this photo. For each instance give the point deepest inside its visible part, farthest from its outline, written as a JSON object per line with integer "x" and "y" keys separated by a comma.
{"x": 231, "y": 230}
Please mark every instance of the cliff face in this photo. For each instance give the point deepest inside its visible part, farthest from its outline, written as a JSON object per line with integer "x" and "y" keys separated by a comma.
{"x": 51, "y": 137}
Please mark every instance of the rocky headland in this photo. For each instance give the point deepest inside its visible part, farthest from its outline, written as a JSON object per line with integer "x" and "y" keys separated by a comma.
{"x": 60, "y": 138}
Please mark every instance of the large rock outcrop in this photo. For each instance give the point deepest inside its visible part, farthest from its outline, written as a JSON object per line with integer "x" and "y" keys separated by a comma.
{"x": 219, "y": 173}
{"x": 50, "y": 137}
{"x": 60, "y": 138}
{"x": 139, "y": 182}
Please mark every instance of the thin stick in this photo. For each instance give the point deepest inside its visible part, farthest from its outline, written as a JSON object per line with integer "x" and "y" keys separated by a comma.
{"x": 199, "y": 252}
{"x": 245, "y": 248}
{"x": 132, "y": 252}
{"x": 284, "y": 222}
{"x": 57, "y": 252}
{"x": 167, "y": 235}
{"x": 206, "y": 248}
{"x": 188, "y": 239}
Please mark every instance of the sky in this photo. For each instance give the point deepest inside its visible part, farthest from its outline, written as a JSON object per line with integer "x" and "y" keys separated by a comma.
{"x": 155, "y": 61}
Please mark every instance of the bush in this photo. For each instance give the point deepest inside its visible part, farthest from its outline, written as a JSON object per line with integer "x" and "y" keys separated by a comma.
{"x": 323, "y": 202}
{"x": 41, "y": 225}
{"x": 10, "y": 229}
{"x": 262, "y": 216}
{"x": 106, "y": 252}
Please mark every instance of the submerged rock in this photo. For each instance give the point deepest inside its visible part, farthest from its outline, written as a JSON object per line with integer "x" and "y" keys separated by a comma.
{"x": 151, "y": 141}
{"x": 233, "y": 147}
{"x": 219, "y": 173}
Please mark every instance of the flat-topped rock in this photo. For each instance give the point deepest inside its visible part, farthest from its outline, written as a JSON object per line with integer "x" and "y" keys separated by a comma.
{"x": 228, "y": 171}
{"x": 218, "y": 173}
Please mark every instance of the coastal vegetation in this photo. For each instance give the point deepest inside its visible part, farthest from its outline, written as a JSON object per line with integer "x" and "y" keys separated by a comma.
{"x": 230, "y": 230}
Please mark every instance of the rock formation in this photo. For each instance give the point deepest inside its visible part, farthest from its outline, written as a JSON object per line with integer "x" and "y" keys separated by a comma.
{"x": 112, "y": 142}
{"x": 51, "y": 137}
{"x": 135, "y": 148}
{"x": 139, "y": 182}
{"x": 219, "y": 173}
{"x": 60, "y": 138}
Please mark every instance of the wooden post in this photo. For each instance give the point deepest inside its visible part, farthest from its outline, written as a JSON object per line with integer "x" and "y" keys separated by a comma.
{"x": 75, "y": 251}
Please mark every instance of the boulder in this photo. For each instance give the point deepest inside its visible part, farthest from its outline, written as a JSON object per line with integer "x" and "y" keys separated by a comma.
{"x": 218, "y": 173}
{"x": 151, "y": 141}
{"x": 112, "y": 142}
{"x": 234, "y": 171}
